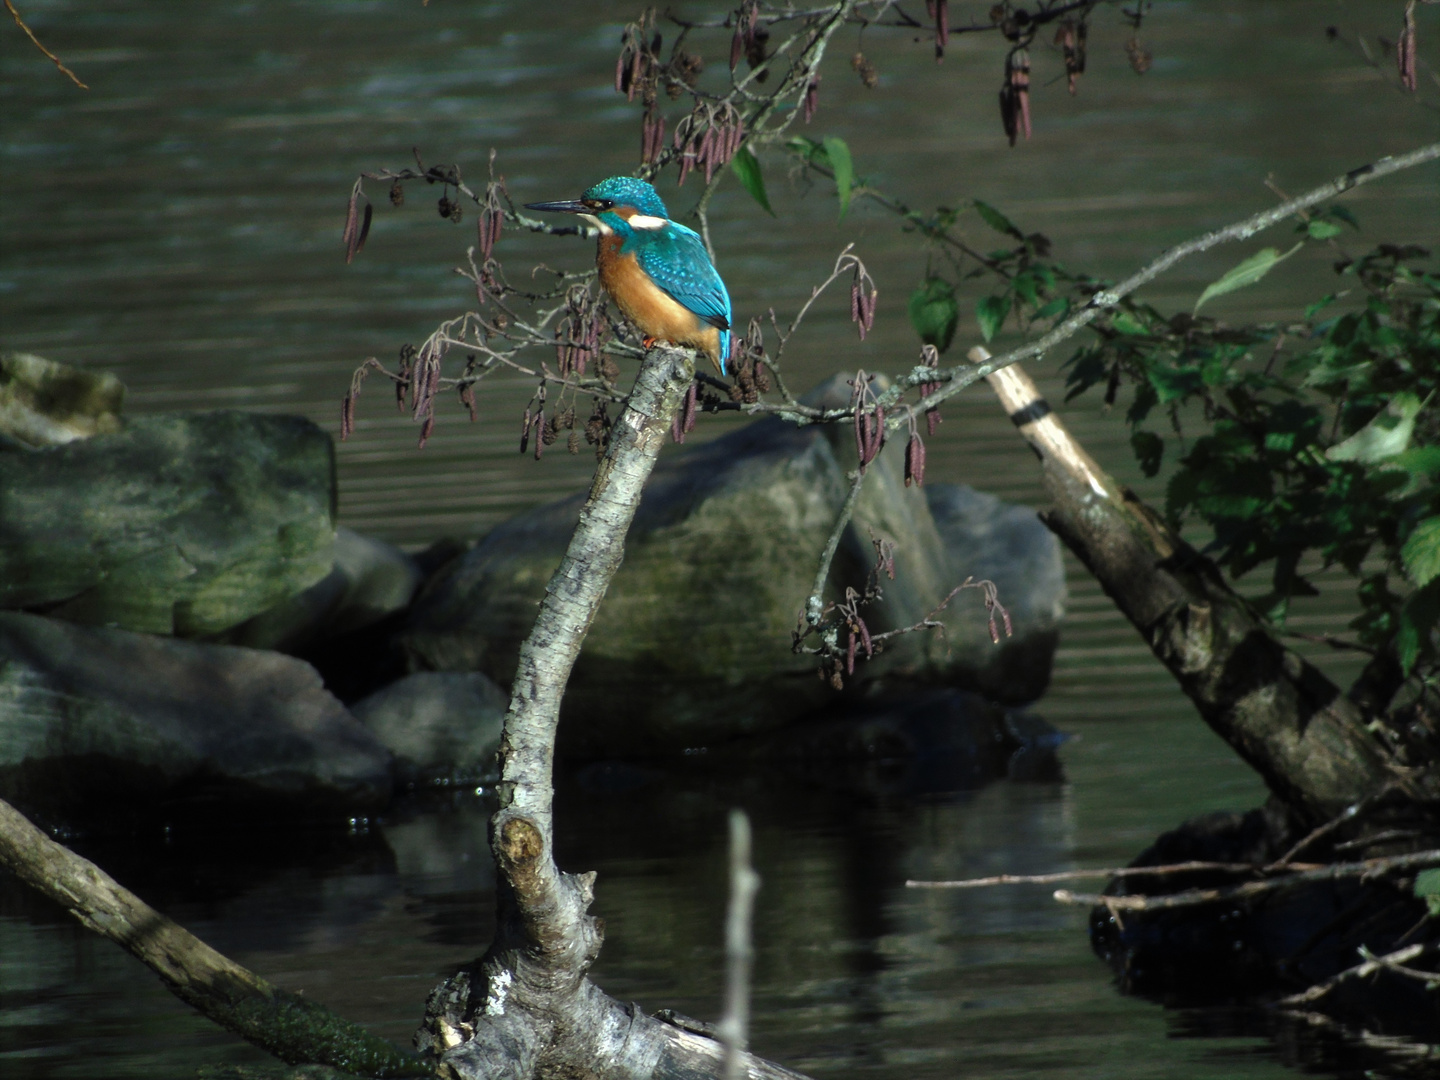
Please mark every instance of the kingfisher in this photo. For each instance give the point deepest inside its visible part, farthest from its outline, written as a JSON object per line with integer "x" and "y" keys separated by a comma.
{"x": 657, "y": 270}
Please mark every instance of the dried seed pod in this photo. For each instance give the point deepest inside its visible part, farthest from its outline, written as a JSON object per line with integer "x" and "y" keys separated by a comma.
{"x": 915, "y": 460}
{"x": 812, "y": 98}
{"x": 677, "y": 427}
{"x": 397, "y": 194}
{"x": 357, "y": 223}
{"x": 762, "y": 377}
{"x": 737, "y": 43}
{"x": 1405, "y": 50}
{"x": 865, "y": 637}
{"x": 525, "y": 431}
{"x": 942, "y": 27}
{"x": 426, "y": 429}
{"x": 850, "y": 654}
{"x": 869, "y": 77}
{"x": 1140, "y": 58}
{"x": 572, "y": 444}
{"x": 445, "y": 207}
{"x": 692, "y": 397}
{"x": 467, "y": 398}
{"x": 347, "y": 416}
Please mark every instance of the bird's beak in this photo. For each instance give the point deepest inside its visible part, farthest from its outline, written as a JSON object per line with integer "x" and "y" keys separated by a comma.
{"x": 568, "y": 206}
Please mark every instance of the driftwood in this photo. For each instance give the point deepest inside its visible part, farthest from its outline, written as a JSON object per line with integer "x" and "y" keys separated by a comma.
{"x": 292, "y": 1028}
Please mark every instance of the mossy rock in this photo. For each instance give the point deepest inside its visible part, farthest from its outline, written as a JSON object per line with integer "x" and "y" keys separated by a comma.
{"x": 184, "y": 524}
{"x": 692, "y": 644}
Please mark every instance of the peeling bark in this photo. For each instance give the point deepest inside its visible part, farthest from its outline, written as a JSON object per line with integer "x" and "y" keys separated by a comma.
{"x": 1295, "y": 727}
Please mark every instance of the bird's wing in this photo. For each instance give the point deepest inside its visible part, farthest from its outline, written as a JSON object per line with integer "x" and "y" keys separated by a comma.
{"x": 676, "y": 260}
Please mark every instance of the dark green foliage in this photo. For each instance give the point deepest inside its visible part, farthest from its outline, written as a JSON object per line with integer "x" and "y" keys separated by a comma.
{"x": 934, "y": 312}
{"x": 1315, "y": 438}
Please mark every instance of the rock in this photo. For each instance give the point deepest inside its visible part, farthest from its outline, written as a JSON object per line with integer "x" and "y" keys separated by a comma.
{"x": 104, "y": 724}
{"x": 370, "y": 581}
{"x": 442, "y": 727}
{"x": 693, "y": 642}
{"x": 987, "y": 539}
{"x": 181, "y": 523}
{"x": 45, "y": 403}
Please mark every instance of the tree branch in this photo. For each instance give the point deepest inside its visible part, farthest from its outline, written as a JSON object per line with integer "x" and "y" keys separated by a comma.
{"x": 292, "y": 1028}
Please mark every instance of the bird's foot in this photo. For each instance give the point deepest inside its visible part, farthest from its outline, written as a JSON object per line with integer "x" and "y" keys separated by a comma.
{"x": 648, "y": 342}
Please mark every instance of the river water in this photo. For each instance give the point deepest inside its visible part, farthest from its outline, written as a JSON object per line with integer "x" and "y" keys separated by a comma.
{"x": 178, "y": 224}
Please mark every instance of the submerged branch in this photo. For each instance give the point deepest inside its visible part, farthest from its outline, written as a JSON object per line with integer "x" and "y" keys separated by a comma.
{"x": 292, "y": 1028}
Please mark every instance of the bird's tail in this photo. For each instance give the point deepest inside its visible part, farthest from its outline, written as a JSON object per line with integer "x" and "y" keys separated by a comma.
{"x": 722, "y": 361}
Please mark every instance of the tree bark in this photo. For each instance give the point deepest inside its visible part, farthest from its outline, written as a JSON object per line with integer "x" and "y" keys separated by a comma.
{"x": 1305, "y": 738}
{"x": 526, "y": 1008}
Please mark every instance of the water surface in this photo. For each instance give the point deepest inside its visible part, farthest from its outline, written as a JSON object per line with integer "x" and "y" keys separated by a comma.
{"x": 179, "y": 226}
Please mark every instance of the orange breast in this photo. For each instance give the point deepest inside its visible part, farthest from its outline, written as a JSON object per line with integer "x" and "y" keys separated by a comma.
{"x": 650, "y": 308}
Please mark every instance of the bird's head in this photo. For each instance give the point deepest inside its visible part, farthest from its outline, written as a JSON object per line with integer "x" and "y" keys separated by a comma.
{"x": 614, "y": 205}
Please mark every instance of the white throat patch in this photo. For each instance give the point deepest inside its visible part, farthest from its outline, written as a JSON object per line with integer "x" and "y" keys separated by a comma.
{"x": 645, "y": 221}
{"x": 605, "y": 230}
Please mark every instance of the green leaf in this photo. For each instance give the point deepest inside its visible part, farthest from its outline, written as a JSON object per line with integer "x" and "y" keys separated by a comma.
{"x": 1059, "y": 306}
{"x": 1174, "y": 383}
{"x": 1149, "y": 450}
{"x": 844, "y": 168}
{"x": 1427, "y": 887}
{"x": 934, "y": 312}
{"x": 990, "y": 313}
{"x": 1247, "y": 273}
{"x": 997, "y": 221}
{"x": 1340, "y": 213}
{"x": 745, "y": 165}
{"x": 1417, "y": 619}
{"x": 1311, "y": 310}
{"x": 1421, "y": 553}
{"x": 1126, "y": 323}
{"x": 1384, "y": 436}
{"x": 1322, "y": 230}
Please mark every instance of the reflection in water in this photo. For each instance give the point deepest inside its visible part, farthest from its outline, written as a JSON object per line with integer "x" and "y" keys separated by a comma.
{"x": 855, "y": 975}
{"x": 179, "y": 225}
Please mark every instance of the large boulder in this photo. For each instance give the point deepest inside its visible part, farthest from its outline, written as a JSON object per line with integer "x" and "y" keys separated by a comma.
{"x": 105, "y": 724}
{"x": 371, "y": 580}
{"x": 185, "y": 524}
{"x": 692, "y": 644}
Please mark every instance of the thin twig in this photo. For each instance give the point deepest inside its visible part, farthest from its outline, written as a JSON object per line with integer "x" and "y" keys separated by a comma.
{"x": 1351, "y": 812}
{"x": 1080, "y": 875}
{"x": 739, "y": 951}
{"x": 36, "y": 42}
{"x": 1371, "y": 965}
{"x": 814, "y": 604}
{"x": 1192, "y": 897}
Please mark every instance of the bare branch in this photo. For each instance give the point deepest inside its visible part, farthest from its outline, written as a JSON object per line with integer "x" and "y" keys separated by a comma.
{"x": 36, "y": 42}
{"x": 1370, "y": 868}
